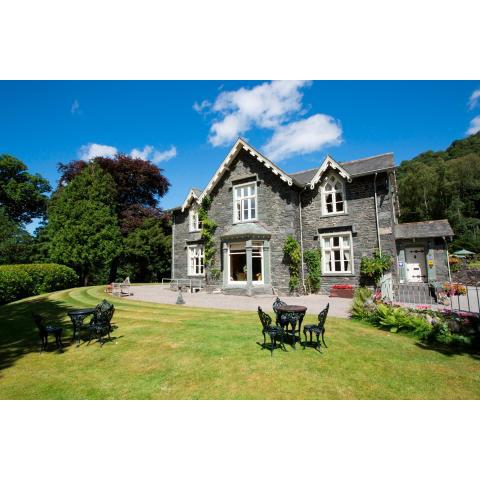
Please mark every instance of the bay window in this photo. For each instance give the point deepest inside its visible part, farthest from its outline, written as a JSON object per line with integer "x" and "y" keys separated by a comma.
{"x": 337, "y": 253}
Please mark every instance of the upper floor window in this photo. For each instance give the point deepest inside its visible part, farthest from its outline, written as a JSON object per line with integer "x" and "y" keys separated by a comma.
{"x": 195, "y": 223}
{"x": 245, "y": 202}
{"x": 333, "y": 195}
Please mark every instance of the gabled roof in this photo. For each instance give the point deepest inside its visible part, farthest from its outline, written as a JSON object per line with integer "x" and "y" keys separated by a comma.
{"x": 193, "y": 194}
{"x": 240, "y": 145}
{"x": 328, "y": 162}
{"x": 432, "y": 228}
{"x": 354, "y": 168}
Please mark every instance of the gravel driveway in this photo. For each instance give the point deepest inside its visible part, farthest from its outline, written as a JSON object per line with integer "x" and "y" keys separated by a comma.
{"x": 339, "y": 307}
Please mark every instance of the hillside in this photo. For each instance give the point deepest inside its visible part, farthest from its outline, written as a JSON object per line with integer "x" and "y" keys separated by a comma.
{"x": 445, "y": 184}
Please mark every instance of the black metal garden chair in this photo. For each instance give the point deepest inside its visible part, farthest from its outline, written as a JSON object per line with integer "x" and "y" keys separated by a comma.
{"x": 318, "y": 329}
{"x": 273, "y": 331}
{"x": 101, "y": 321}
{"x": 278, "y": 303}
{"x": 46, "y": 330}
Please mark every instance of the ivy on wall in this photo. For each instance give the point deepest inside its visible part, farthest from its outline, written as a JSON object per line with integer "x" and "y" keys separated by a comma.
{"x": 314, "y": 270}
{"x": 291, "y": 250}
{"x": 208, "y": 234}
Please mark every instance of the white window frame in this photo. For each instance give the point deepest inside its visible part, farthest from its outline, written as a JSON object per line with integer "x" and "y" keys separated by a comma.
{"x": 255, "y": 245}
{"x": 341, "y": 248}
{"x": 195, "y": 252}
{"x": 243, "y": 199}
{"x": 333, "y": 192}
{"x": 194, "y": 223}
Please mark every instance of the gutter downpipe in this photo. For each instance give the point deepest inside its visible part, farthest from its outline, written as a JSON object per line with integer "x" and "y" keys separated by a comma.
{"x": 376, "y": 213}
{"x": 173, "y": 246}
{"x": 448, "y": 260}
{"x": 301, "y": 238}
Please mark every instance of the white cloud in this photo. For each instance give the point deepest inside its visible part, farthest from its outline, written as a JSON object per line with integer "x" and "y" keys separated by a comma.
{"x": 155, "y": 156}
{"x": 75, "y": 108}
{"x": 143, "y": 154}
{"x": 303, "y": 136}
{"x": 165, "y": 155}
{"x": 92, "y": 150}
{"x": 474, "y": 97}
{"x": 200, "y": 107}
{"x": 474, "y": 125}
{"x": 265, "y": 106}
{"x": 275, "y": 106}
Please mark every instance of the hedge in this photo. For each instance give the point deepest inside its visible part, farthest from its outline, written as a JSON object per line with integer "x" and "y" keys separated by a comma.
{"x": 25, "y": 280}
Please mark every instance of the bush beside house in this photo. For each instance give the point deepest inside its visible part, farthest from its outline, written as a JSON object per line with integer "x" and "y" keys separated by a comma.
{"x": 25, "y": 280}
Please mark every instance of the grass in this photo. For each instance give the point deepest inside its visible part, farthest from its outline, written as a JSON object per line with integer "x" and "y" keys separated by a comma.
{"x": 178, "y": 352}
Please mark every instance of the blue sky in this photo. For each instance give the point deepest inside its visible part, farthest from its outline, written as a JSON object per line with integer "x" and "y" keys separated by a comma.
{"x": 187, "y": 127}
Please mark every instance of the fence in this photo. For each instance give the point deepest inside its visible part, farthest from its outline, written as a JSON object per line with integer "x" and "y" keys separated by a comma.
{"x": 193, "y": 284}
{"x": 425, "y": 294}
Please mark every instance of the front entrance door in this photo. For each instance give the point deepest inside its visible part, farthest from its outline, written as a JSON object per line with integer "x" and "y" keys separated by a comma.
{"x": 416, "y": 264}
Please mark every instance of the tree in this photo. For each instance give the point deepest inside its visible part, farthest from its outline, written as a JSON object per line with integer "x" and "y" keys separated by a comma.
{"x": 148, "y": 251}
{"x": 139, "y": 184}
{"x": 445, "y": 184}
{"x": 22, "y": 195}
{"x": 82, "y": 224}
{"x": 15, "y": 243}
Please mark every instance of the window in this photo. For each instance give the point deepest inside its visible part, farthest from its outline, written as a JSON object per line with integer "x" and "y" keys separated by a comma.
{"x": 196, "y": 260}
{"x": 333, "y": 196}
{"x": 245, "y": 202}
{"x": 337, "y": 253}
{"x": 195, "y": 223}
{"x": 238, "y": 262}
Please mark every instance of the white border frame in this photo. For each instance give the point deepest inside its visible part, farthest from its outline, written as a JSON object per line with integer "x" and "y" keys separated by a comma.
{"x": 322, "y": 196}
{"x": 240, "y": 185}
{"x": 322, "y": 248}
{"x": 195, "y": 245}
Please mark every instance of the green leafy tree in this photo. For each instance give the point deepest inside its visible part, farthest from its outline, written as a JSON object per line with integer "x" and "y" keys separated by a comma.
{"x": 374, "y": 267}
{"x": 16, "y": 243}
{"x": 445, "y": 184}
{"x": 82, "y": 227}
{"x": 22, "y": 195}
{"x": 148, "y": 252}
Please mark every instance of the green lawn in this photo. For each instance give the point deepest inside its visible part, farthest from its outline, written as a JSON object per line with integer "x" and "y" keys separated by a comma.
{"x": 170, "y": 352}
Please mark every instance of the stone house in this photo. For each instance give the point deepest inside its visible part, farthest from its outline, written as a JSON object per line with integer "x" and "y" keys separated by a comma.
{"x": 348, "y": 210}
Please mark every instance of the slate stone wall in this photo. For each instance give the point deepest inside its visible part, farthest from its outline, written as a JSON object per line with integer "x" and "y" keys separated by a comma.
{"x": 277, "y": 211}
{"x": 359, "y": 219}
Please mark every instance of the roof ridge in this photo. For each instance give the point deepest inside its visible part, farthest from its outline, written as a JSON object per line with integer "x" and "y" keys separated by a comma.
{"x": 368, "y": 158}
{"x": 424, "y": 221}
{"x": 304, "y": 171}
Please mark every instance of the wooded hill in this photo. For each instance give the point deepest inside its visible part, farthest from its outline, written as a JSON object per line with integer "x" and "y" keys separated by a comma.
{"x": 445, "y": 184}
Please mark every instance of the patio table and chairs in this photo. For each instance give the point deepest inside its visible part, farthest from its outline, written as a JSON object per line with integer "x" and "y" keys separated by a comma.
{"x": 289, "y": 319}
{"x": 99, "y": 325}
{"x": 290, "y": 316}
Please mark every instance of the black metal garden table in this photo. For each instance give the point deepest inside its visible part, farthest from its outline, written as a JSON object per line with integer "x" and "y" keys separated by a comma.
{"x": 291, "y": 315}
{"x": 77, "y": 317}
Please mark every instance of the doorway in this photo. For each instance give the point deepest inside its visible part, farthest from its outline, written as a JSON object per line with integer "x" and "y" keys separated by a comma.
{"x": 416, "y": 265}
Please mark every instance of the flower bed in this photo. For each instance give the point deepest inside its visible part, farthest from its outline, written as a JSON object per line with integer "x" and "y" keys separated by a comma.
{"x": 342, "y": 291}
{"x": 446, "y": 327}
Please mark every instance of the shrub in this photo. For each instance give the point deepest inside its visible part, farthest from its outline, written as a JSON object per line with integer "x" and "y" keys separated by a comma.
{"x": 374, "y": 267}
{"x": 24, "y": 280}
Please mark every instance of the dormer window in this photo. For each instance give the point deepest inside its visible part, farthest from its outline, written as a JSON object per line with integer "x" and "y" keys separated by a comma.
{"x": 245, "y": 202}
{"x": 333, "y": 195}
{"x": 195, "y": 223}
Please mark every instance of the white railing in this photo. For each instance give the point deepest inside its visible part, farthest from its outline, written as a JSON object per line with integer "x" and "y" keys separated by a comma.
{"x": 193, "y": 284}
{"x": 425, "y": 294}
